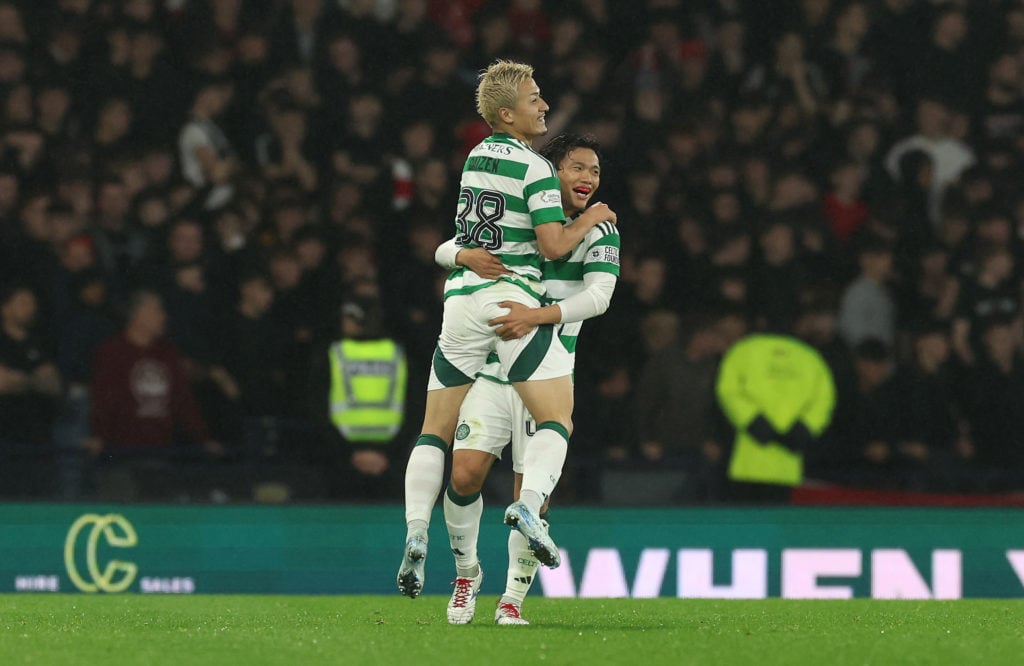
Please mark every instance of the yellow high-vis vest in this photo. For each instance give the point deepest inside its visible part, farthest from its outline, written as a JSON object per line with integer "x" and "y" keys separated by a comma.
{"x": 368, "y": 379}
{"x": 784, "y": 380}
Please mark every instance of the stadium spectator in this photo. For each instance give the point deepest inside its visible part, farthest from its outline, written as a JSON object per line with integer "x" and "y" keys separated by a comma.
{"x": 991, "y": 292}
{"x": 777, "y": 278}
{"x": 778, "y": 396}
{"x": 287, "y": 153}
{"x": 936, "y": 433}
{"x": 88, "y": 322}
{"x": 29, "y": 381}
{"x": 867, "y": 309}
{"x": 995, "y": 409}
{"x": 949, "y": 156}
{"x": 253, "y": 347}
{"x": 360, "y": 384}
{"x": 30, "y": 388}
{"x": 141, "y": 394}
{"x": 999, "y": 114}
{"x": 848, "y": 121}
{"x": 208, "y": 159}
{"x": 120, "y": 246}
{"x": 870, "y": 424}
{"x": 675, "y": 409}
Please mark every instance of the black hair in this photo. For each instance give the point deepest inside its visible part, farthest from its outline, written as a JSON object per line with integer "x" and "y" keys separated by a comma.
{"x": 557, "y": 148}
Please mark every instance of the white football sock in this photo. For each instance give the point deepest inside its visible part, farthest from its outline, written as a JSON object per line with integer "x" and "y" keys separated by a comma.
{"x": 462, "y": 516}
{"x": 424, "y": 475}
{"x": 522, "y": 569}
{"x": 545, "y": 456}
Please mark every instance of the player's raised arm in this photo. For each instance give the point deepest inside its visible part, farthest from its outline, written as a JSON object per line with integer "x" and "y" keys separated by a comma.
{"x": 557, "y": 240}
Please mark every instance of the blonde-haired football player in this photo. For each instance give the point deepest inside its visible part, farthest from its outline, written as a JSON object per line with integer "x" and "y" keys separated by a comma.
{"x": 581, "y": 285}
{"x": 510, "y": 205}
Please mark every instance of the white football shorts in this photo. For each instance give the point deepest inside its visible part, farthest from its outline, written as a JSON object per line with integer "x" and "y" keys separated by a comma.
{"x": 466, "y": 340}
{"x": 492, "y": 416}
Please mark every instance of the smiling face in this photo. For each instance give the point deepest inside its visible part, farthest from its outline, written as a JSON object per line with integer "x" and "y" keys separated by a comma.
{"x": 526, "y": 119}
{"x": 579, "y": 173}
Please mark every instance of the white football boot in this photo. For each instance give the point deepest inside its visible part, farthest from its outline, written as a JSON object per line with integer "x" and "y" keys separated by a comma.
{"x": 410, "y": 574}
{"x": 462, "y": 605}
{"x": 529, "y": 524}
{"x": 508, "y": 614}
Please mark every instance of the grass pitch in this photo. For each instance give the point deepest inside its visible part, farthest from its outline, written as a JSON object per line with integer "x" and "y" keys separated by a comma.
{"x": 54, "y": 630}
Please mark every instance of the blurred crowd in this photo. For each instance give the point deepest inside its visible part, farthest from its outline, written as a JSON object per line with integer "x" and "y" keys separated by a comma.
{"x": 210, "y": 181}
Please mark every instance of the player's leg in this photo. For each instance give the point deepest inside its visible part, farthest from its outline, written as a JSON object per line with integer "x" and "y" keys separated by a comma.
{"x": 461, "y": 351}
{"x": 522, "y": 564}
{"x": 463, "y": 508}
{"x": 550, "y": 401}
{"x": 540, "y": 369}
{"x": 424, "y": 475}
{"x": 522, "y": 571}
{"x": 485, "y": 427}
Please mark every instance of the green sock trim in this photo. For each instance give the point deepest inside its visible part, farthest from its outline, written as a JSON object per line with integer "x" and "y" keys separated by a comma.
{"x": 432, "y": 440}
{"x": 460, "y": 500}
{"x": 556, "y": 426}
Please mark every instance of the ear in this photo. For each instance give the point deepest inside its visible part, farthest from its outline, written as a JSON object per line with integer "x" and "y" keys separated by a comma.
{"x": 506, "y": 115}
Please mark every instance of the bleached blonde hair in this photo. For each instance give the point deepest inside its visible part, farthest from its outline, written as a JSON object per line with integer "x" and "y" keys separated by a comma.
{"x": 498, "y": 88}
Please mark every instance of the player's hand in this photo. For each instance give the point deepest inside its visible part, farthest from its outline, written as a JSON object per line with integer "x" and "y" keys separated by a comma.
{"x": 481, "y": 262}
{"x": 518, "y": 322}
{"x": 597, "y": 213}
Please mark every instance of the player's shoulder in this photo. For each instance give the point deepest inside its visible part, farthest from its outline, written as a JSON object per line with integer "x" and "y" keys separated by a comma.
{"x": 508, "y": 149}
{"x": 537, "y": 163}
{"x": 602, "y": 230}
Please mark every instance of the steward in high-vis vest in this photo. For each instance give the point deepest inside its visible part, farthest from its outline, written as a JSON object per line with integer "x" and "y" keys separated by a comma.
{"x": 359, "y": 382}
{"x": 368, "y": 382}
{"x": 778, "y": 393}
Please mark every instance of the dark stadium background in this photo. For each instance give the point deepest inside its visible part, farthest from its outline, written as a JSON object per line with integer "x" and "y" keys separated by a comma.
{"x": 758, "y": 154}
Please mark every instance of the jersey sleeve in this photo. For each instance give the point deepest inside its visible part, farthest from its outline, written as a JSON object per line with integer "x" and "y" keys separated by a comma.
{"x": 446, "y": 254}
{"x": 542, "y": 193}
{"x": 592, "y": 301}
{"x": 603, "y": 245}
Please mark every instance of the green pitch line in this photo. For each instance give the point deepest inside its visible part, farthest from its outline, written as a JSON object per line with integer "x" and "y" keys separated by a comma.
{"x": 55, "y": 630}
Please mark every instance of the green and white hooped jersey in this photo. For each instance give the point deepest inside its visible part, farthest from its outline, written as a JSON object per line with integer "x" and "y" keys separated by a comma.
{"x": 597, "y": 252}
{"x": 507, "y": 190}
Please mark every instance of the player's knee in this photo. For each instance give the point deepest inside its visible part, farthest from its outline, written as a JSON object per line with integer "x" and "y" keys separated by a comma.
{"x": 467, "y": 480}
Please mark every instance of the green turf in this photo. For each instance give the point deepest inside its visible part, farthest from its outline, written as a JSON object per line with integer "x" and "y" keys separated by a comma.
{"x": 224, "y": 630}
